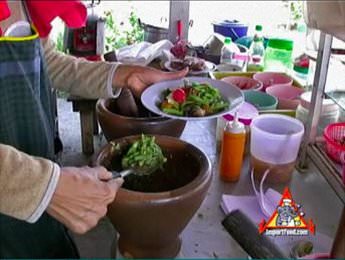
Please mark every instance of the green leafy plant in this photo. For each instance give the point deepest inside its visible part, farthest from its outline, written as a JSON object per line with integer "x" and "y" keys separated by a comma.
{"x": 59, "y": 42}
{"x": 296, "y": 13}
{"x": 116, "y": 36}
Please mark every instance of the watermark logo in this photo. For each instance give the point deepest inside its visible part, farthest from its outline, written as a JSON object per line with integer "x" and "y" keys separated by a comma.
{"x": 287, "y": 219}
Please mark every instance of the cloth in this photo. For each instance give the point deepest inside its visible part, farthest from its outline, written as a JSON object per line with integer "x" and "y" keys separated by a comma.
{"x": 249, "y": 205}
{"x": 327, "y": 16}
{"x": 4, "y": 12}
{"x": 142, "y": 53}
{"x": 28, "y": 125}
{"x": 42, "y": 13}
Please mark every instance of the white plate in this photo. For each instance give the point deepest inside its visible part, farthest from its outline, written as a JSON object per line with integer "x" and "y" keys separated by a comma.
{"x": 209, "y": 66}
{"x": 152, "y": 96}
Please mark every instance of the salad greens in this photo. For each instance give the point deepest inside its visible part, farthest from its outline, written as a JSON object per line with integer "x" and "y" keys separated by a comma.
{"x": 144, "y": 156}
{"x": 195, "y": 100}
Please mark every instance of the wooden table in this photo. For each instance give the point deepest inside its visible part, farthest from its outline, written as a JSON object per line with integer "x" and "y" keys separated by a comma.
{"x": 88, "y": 121}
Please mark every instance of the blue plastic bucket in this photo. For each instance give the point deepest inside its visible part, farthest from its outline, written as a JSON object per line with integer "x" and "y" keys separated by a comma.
{"x": 233, "y": 29}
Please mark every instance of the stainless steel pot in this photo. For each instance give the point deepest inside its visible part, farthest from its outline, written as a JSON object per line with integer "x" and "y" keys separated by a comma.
{"x": 153, "y": 33}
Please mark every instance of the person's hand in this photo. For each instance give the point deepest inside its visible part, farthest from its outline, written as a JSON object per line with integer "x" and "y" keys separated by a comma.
{"x": 137, "y": 78}
{"x": 81, "y": 197}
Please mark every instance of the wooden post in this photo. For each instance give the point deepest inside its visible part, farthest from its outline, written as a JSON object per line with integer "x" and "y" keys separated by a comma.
{"x": 88, "y": 121}
{"x": 179, "y": 10}
{"x": 86, "y": 125}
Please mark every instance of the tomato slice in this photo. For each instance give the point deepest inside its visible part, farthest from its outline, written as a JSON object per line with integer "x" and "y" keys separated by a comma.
{"x": 179, "y": 95}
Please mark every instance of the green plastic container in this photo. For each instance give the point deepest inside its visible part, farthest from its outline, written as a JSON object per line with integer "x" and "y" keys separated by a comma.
{"x": 261, "y": 100}
{"x": 278, "y": 55}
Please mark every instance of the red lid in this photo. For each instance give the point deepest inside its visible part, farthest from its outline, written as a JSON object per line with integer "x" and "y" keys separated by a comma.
{"x": 246, "y": 113}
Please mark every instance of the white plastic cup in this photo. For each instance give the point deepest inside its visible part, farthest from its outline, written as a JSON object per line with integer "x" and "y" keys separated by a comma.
{"x": 275, "y": 142}
{"x": 276, "y": 139}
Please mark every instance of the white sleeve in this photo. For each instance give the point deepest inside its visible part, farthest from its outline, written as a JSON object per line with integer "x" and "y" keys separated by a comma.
{"x": 112, "y": 92}
{"x": 47, "y": 196}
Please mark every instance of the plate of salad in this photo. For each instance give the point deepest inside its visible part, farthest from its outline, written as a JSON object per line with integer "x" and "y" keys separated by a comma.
{"x": 192, "y": 98}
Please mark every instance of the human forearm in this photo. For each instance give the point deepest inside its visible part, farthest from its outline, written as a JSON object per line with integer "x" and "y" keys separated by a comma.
{"x": 26, "y": 184}
{"x": 78, "y": 76}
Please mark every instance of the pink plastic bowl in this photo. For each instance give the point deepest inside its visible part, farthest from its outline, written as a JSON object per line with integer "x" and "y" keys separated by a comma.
{"x": 243, "y": 83}
{"x": 273, "y": 78}
{"x": 288, "y": 96}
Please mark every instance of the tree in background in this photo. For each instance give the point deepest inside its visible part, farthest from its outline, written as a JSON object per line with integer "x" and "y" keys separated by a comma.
{"x": 120, "y": 35}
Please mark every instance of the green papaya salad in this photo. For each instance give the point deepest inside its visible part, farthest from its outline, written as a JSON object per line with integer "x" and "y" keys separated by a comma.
{"x": 193, "y": 100}
{"x": 144, "y": 156}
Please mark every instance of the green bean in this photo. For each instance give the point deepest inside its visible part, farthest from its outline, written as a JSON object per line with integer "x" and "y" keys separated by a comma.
{"x": 173, "y": 111}
{"x": 220, "y": 106}
{"x": 144, "y": 155}
{"x": 197, "y": 99}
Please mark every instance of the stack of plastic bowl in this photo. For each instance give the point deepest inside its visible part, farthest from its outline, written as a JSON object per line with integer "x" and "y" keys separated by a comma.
{"x": 273, "y": 78}
{"x": 243, "y": 83}
{"x": 329, "y": 111}
{"x": 288, "y": 96}
{"x": 262, "y": 101}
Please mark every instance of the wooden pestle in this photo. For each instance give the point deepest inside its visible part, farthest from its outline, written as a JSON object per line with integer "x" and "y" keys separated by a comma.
{"x": 126, "y": 104}
{"x": 243, "y": 230}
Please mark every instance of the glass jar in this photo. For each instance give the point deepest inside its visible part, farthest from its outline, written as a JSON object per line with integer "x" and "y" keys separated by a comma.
{"x": 278, "y": 55}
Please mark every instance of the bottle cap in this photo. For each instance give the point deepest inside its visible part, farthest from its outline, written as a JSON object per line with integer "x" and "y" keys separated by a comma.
{"x": 246, "y": 112}
{"x": 300, "y": 69}
{"x": 258, "y": 28}
{"x": 283, "y": 44}
{"x": 235, "y": 126}
{"x": 227, "y": 40}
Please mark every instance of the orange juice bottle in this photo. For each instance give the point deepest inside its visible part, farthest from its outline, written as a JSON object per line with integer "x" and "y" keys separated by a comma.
{"x": 232, "y": 149}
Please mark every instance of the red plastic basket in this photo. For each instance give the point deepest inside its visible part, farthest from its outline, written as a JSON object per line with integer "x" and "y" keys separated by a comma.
{"x": 333, "y": 134}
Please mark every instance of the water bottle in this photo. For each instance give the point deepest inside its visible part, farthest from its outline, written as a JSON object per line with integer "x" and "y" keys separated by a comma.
{"x": 256, "y": 51}
{"x": 228, "y": 51}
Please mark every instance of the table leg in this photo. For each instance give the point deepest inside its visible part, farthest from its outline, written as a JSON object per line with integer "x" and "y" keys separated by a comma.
{"x": 86, "y": 125}
{"x": 95, "y": 123}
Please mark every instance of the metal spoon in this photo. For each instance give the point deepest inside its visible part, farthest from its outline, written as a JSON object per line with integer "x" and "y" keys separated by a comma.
{"x": 140, "y": 171}
{"x": 121, "y": 174}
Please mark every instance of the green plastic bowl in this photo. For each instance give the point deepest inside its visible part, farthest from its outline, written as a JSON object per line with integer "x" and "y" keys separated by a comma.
{"x": 261, "y": 100}
{"x": 247, "y": 41}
